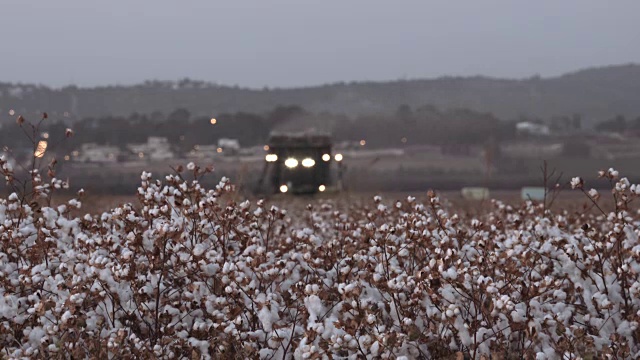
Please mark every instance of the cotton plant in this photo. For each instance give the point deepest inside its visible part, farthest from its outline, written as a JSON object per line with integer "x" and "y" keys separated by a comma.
{"x": 189, "y": 272}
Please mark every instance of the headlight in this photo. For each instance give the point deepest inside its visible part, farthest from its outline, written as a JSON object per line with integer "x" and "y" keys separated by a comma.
{"x": 338, "y": 157}
{"x": 326, "y": 157}
{"x": 284, "y": 189}
{"x": 271, "y": 157}
{"x": 291, "y": 163}
{"x": 322, "y": 188}
{"x": 308, "y": 162}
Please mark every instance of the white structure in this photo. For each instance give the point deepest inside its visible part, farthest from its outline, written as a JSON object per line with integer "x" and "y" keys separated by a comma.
{"x": 204, "y": 152}
{"x": 92, "y": 152}
{"x": 155, "y": 149}
{"x": 475, "y": 193}
{"x": 532, "y": 193}
{"x": 229, "y": 146}
{"x": 532, "y": 128}
{"x": 532, "y": 149}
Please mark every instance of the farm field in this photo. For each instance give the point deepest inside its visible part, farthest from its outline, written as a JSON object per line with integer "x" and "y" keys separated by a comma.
{"x": 200, "y": 272}
{"x": 567, "y": 200}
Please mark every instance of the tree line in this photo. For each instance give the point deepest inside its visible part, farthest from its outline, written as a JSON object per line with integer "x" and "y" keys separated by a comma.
{"x": 407, "y": 126}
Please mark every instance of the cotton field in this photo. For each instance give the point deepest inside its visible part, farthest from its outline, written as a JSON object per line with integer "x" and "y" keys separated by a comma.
{"x": 191, "y": 273}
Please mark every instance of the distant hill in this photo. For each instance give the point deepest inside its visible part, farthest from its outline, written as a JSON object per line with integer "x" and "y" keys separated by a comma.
{"x": 596, "y": 94}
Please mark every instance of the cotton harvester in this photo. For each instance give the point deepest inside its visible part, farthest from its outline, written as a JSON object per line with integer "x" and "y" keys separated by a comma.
{"x": 300, "y": 163}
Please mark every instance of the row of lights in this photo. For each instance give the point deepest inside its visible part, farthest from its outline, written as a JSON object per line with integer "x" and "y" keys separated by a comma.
{"x": 12, "y": 112}
{"x": 307, "y": 162}
{"x": 402, "y": 140}
{"x": 285, "y": 188}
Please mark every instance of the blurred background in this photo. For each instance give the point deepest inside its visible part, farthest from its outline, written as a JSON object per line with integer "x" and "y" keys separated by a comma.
{"x": 412, "y": 94}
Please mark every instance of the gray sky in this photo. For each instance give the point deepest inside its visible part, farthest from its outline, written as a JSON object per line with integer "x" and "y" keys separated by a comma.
{"x": 296, "y": 42}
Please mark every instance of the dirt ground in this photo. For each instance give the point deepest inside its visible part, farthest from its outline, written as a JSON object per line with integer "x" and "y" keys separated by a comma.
{"x": 571, "y": 200}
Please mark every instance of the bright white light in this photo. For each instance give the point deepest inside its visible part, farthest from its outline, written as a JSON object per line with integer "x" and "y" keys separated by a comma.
{"x": 12, "y": 112}
{"x": 271, "y": 157}
{"x": 291, "y": 163}
{"x": 326, "y": 157}
{"x": 322, "y": 188}
{"x": 338, "y": 157}
{"x": 308, "y": 162}
{"x": 213, "y": 121}
{"x": 284, "y": 189}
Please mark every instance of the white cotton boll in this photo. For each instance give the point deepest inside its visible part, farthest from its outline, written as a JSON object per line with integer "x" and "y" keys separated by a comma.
{"x": 451, "y": 273}
{"x": 314, "y": 307}
{"x": 66, "y": 316}
{"x": 199, "y": 249}
{"x": 576, "y": 182}
{"x": 371, "y": 318}
{"x": 191, "y": 166}
{"x": 375, "y": 348}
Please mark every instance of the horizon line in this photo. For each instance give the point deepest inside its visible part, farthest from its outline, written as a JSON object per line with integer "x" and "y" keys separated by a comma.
{"x": 334, "y": 83}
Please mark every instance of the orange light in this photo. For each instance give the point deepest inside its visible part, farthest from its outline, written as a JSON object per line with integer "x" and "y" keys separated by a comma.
{"x": 213, "y": 121}
{"x": 266, "y": 148}
{"x": 40, "y": 149}
{"x": 363, "y": 143}
{"x": 219, "y": 150}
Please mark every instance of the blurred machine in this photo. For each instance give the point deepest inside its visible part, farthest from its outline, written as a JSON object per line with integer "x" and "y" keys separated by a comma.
{"x": 300, "y": 163}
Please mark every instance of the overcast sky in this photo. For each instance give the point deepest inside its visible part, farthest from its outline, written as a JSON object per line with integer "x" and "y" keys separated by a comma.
{"x": 289, "y": 43}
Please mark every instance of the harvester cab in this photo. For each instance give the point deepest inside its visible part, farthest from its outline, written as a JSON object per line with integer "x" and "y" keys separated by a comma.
{"x": 299, "y": 163}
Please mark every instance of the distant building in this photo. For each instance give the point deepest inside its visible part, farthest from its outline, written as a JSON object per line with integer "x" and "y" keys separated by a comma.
{"x": 229, "y": 146}
{"x": 204, "y": 151}
{"x": 92, "y": 152}
{"x": 531, "y": 128}
{"x": 531, "y": 149}
{"x": 155, "y": 149}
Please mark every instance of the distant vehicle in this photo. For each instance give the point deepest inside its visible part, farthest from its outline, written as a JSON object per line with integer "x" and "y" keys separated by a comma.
{"x": 299, "y": 163}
